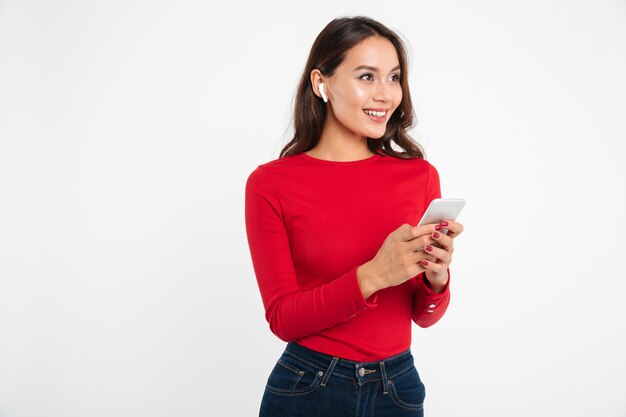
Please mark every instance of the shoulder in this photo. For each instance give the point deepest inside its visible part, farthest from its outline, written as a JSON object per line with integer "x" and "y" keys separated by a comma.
{"x": 284, "y": 163}
{"x": 265, "y": 171}
{"x": 412, "y": 163}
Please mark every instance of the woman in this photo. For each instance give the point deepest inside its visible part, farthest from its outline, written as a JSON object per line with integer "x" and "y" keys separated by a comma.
{"x": 339, "y": 266}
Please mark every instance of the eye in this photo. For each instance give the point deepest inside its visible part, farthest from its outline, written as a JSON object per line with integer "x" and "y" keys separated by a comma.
{"x": 369, "y": 74}
{"x": 395, "y": 77}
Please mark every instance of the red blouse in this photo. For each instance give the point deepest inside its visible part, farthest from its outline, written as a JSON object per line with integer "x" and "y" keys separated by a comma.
{"x": 310, "y": 224}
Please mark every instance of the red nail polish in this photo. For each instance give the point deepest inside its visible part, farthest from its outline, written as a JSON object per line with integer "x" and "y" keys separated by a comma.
{"x": 428, "y": 248}
{"x": 443, "y": 223}
{"x": 438, "y": 227}
{"x": 424, "y": 262}
{"x": 436, "y": 235}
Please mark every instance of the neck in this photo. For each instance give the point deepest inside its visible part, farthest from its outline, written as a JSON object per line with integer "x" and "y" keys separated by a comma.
{"x": 338, "y": 143}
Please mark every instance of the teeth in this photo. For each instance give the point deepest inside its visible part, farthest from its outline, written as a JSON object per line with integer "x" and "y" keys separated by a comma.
{"x": 375, "y": 113}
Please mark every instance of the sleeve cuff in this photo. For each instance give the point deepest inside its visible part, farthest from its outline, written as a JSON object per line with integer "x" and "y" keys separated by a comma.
{"x": 429, "y": 291}
{"x": 362, "y": 303}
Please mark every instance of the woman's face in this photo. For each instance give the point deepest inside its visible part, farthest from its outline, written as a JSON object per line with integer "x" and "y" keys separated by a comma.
{"x": 365, "y": 89}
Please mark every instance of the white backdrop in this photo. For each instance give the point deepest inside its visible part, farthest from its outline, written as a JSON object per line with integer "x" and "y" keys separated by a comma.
{"x": 128, "y": 130}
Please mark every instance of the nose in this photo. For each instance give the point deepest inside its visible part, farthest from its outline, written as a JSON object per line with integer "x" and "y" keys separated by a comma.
{"x": 383, "y": 92}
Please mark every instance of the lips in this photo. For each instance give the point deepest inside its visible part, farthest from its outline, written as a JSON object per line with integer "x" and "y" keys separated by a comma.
{"x": 376, "y": 115}
{"x": 376, "y": 112}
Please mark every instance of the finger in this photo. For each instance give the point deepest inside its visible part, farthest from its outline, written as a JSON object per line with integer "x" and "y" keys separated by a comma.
{"x": 443, "y": 241}
{"x": 442, "y": 256}
{"x": 432, "y": 266}
{"x": 418, "y": 244}
{"x": 451, "y": 228}
{"x": 418, "y": 256}
{"x": 415, "y": 232}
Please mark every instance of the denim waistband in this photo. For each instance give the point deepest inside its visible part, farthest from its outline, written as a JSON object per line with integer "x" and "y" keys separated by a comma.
{"x": 358, "y": 371}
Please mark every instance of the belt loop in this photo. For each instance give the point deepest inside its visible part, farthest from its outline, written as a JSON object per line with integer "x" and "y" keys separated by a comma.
{"x": 329, "y": 371}
{"x": 384, "y": 377}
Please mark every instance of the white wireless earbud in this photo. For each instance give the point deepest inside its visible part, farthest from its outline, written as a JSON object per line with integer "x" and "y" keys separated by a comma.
{"x": 323, "y": 93}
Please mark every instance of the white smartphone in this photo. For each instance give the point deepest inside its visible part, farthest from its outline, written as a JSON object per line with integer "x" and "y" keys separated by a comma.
{"x": 442, "y": 209}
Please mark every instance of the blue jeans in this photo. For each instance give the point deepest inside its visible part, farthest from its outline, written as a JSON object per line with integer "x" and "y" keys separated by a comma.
{"x": 307, "y": 383}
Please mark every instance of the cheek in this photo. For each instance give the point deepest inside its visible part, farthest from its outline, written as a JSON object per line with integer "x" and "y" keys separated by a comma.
{"x": 397, "y": 96}
{"x": 360, "y": 94}
{"x": 354, "y": 95}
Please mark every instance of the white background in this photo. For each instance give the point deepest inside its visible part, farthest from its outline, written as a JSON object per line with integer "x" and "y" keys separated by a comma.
{"x": 128, "y": 130}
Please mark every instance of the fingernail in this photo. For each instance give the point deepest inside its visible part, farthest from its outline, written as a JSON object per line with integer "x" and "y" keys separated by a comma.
{"x": 436, "y": 235}
{"x": 424, "y": 262}
{"x": 428, "y": 248}
{"x": 443, "y": 223}
{"x": 438, "y": 227}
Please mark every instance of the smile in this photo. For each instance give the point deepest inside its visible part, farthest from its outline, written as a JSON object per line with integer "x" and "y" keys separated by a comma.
{"x": 375, "y": 115}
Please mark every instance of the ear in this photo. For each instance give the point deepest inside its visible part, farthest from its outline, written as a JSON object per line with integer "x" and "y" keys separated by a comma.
{"x": 316, "y": 80}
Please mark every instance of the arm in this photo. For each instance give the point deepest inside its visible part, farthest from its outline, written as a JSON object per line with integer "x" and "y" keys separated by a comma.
{"x": 291, "y": 312}
{"x": 430, "y": 304}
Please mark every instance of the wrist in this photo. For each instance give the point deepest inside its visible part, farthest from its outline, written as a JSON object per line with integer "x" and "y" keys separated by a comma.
{"x": 369, "y": 282}
{"x": 436, "y": 282}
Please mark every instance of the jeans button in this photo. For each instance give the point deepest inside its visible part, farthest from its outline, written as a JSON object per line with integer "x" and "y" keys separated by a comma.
{"x": 362, "y": 372}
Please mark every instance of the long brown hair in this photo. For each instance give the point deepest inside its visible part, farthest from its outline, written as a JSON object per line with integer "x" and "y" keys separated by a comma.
{"x": 327, "y": 53}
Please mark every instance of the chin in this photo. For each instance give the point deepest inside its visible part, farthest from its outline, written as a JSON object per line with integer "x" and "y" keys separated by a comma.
{"x": 374, "y": 135}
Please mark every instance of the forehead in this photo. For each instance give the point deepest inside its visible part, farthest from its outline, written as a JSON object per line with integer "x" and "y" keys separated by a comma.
{"x": 374, "y": 51}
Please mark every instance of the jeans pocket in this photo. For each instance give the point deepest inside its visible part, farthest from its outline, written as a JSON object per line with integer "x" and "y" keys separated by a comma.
{"x": 407, "y": 390}
{"x": 289, "y": 377}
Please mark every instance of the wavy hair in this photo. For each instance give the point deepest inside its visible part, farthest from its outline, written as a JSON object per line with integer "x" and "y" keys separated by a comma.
{"x": 327, "y": 53}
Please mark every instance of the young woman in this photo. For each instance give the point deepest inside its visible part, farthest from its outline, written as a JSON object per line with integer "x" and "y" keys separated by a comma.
{"x": 329, "y": 226}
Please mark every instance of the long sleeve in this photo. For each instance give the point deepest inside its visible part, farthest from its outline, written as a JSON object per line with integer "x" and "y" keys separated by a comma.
{"x": 429, "y": 307}
{"x": 291, "y": 312}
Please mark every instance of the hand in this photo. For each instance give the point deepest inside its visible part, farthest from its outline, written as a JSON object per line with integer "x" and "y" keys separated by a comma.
{"x": 437, "y": 269}
{"x": 398, "y": 259}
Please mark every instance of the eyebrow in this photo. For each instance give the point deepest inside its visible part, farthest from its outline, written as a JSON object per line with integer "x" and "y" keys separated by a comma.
{"x": 367, "y": 67}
